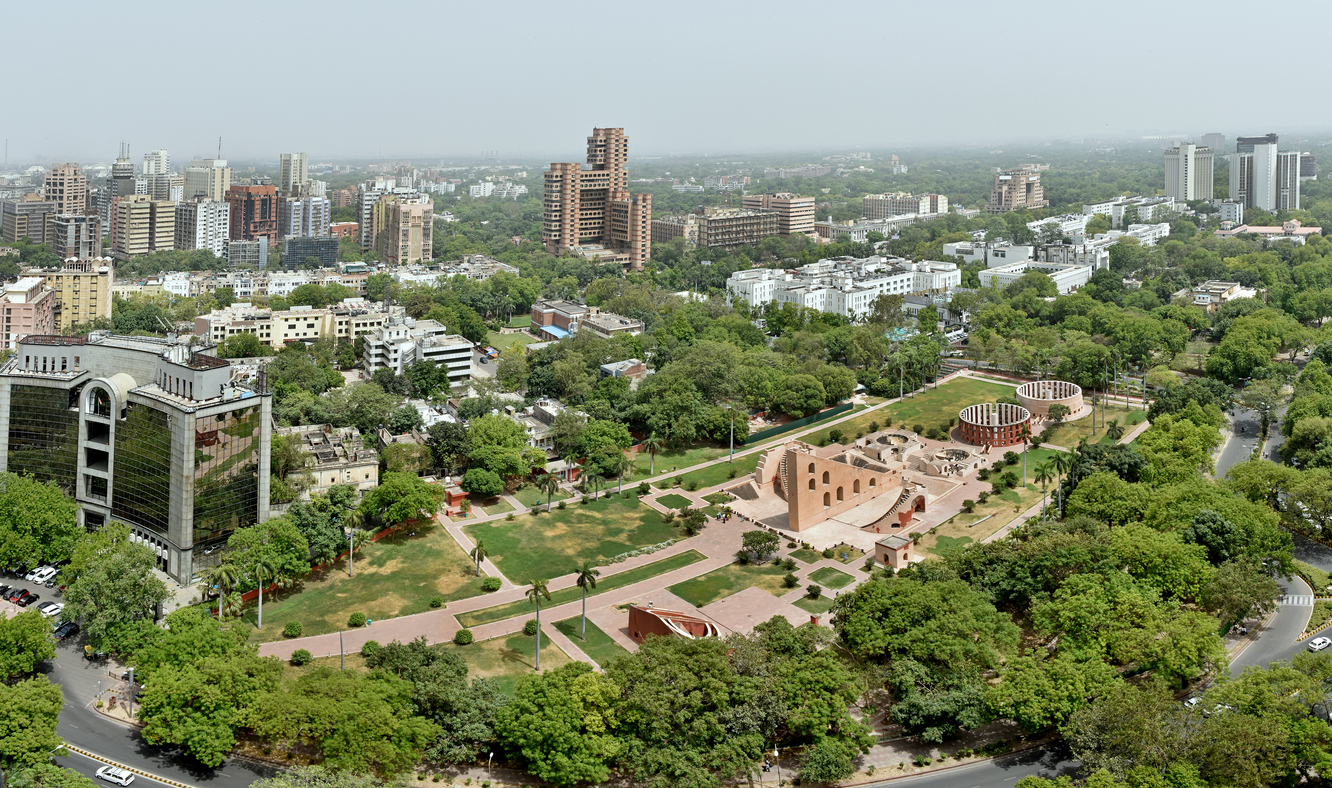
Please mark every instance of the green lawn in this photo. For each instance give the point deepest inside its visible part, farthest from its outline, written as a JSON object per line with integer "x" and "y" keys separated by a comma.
{"x": 519, "y": 321}
{"x": 673, "y": 459}
{"x": 496, "y": 505}
{"x": 507, "y": 659}
{"x": 1071, "y": 432}
{"x": 606, "y": 583}
{"x": 847, "y": 554}
{"x": 933, "y": 407}
{"x": 530, "y": 495}
{"x": 942, "y": 543}
{"x": 396, "y": 576}
{"x": 815, "y": 606}
{"x": 598, "y": 646}
{"x": 807, "y": 556}
{"x": 719, "y": 498}
{"x": 831, "y": 578}
{"x": 674, "y": 501}
{"x": 723, "y": 471}
{"x": 721, "y": 583}
{"x": 551, "y": 544}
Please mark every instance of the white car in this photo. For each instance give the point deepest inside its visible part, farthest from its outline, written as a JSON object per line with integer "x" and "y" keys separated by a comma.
{"x": 51, "y": 609}
{"x": 114, "y": 774}
{"x": 32, "y": 576}
{"x": 44, "y": 574}
{"x": 1318, "y": 644}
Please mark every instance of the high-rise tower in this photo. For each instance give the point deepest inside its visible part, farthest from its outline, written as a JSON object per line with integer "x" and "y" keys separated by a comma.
{"x": 588, "y": 209}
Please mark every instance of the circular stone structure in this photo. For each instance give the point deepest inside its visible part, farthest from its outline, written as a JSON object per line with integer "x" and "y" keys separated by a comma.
{"x": 995, "y": 424}
{"x": 1038, "y": 395}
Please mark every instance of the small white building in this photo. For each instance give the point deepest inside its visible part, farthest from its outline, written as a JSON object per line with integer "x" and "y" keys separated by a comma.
{"x": 403, "y": 341}
{"x": 1066, "y": 277}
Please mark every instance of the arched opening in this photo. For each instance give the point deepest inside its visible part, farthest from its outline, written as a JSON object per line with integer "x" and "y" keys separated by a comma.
{"x": 855, "y": 487}
{"x": 919, "y": 503}
{"x": 872, "y": 484}
{"x": 811, "y": 484}
{"x": 811, "y": 467}
{"x": 99, "y": 402}
{"x": 840, "y": 497}
{"x": 826, "y": 479}
{"x": 827, "y": 500}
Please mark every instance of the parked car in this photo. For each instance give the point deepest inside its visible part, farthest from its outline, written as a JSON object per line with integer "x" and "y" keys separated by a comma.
{"x": 28, "y": 599}
{"x": 44, "y": 574}
{"x": 16, "y": 594}
{"x": 1318, "y": 644}
{"x": 66, "y": 630}
{"x": 51, "y": 609}
{"x": 114, "y": 774}
{"x": 32, "y": 576}
{"x": 4, "y": 590}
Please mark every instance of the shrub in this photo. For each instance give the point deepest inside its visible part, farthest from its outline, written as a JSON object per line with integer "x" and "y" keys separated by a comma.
{"x": 789, "y": 564}
{"x": 292, "y": 629}
{"x": 874, "y": 426}
{"x": 814, "y": 590}
{"x": 1010, "y": 479}
{"x": 369, "y": 648}
{"x": 983, "y": 497}
{"x": 301, "y": 657}
{"x": 835, "y": 435}
{"x": 644, "y": 488}
{"x": 968, "y": 506}
{"x": 677, "y": 481}
{"x": 559, "y": 505}
{"x": 606, "y": 495}
{"x": 668, "y": 517}
{"x": 1011, "y": 458}
{"x": 585, "y": 500}
{"x": 462, "y": 637}
{"x": 983, "y": 474}
{"x": 917, "y": 428}
{"x": 790, "y": 580}
{"x": 530, "y": 628}
{"x": 691, "y": 485}
{"x": 436, "y": 602}
{"x": 828, "y": 553}
{"x": 356, "y": 619}
{"x": 869, "y": 562}
{"x": 491, "y": 584}
{"x": 791, "y": 545}
{"x": 732, "y": 472}
{"x": 742, "y": 557}
{"x": 510, "y": 519}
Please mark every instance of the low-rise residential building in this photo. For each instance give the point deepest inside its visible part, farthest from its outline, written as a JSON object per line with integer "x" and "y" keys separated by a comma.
{"x": 846, "y": 286}
{"x": 1214, "y": 294}
{"x": 858, "y": 231}
{"x": 1288, "y": 231}
{"x": 1066, "y": 277}
{"x": 1231, "y": 211}
{"x": 718, "y": 228}
{"x": 479, "y": 267}
{"x": 402, "y": 341}
{"x": 82, "y": 290}
{"x": 28, "y": 307}
{"x": 1070, "y": 225}
{"x": 1145, "y": 234}
{"x": 631, "y": 368}
{"x": 246, "y": 254}
{"x": 348, "y": 320}
{"x": 1137, "y": 208}
{"x": 338, "y": 456}
{"x": 883, "y": 206}
{"x": 556, "y": 319}
{"x": 608, "y": 324}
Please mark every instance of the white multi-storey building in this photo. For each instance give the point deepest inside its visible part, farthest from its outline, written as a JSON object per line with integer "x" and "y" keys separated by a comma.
{"x": 482, "y": 189}
{"x": 303, "y": 217}
{"x": 1066, "y": 277}
{"x": 402, "y": 341}
{"x": 157, "y": 162}
{"x": 1188, "y": 172}
{"x": 203, "y": 224}
{"x": 1071, "y": 225}
{"x": 1147, "y": 209}
{"x": 845, "y": 286}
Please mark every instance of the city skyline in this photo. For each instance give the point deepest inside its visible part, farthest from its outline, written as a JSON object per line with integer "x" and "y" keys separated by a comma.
{"x": 503, "y": 102}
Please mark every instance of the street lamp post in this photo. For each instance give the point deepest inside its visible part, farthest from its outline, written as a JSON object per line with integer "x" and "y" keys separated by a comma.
{"x": 777, "y": 759}
{"x": 131, "y": 693}
{"x": 351, "y": 553}
{"x": 489, "y": 776}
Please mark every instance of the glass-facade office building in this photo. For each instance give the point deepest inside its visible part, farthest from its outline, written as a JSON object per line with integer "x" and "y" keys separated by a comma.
{"x": 158, "y": 435}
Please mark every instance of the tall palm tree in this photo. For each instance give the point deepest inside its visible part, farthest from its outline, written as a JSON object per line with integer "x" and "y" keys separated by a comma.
{"x": 622, "y": 465}
{"x": 653, "y": 444}
{"x": 595, "y": 479}
{"x": 1114, "y": 431}
{"x": 534, "y": 595}
{"x": 1024, "y": 432}
{"x": 549, "y": 485}
{"x": 223, "y": 578}
{"x": 587, "y": 579}
{"x": 264, "y": 568}
{"x": 1044, "y": 473}
{"x": 570, "y": 458}
{"x": 479, "y": 554}
{"x": 1063, "y": 463}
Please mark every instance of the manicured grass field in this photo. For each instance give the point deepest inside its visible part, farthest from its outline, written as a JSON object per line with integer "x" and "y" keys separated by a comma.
{"x": 396, "y": 576}
{"x": 847, "y": 554}
{"x": 496, "y": 505}
{"x": 607, "y": 582}
{"x": 807, "y": 556}
{"x": 975, "y": 526}
{"x": 930, "y": 408}
{"x": 831, "y": 578}
{"x": 815, "y": 606}
{"x": 721, "y": 583}
{"x": 674, "y": 501}
{"x": 718, "y": 498}
{"x": 551, "y": 544}
{"x": 1071, "y": 432}
{"x": 598, "y": 646}
{"x": 503, "y": 342}
{"x": 529, "y": 495}
{"x": 723, "y": 471}
{"x": 508, "y": 659}
{"x": 670, "y": 460}
{"x": 519, "y": 321}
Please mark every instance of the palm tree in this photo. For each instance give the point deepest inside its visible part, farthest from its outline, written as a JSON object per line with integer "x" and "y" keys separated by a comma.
{"x": 595, "y": 479}
{"x": 587, "y": 579}
{"x": 1044, "y": 473}
{"x": 1114, "y": 430}
{"x": 549, "y": 485}
{"x": 570, "y": 458}
{"x": 264, "y": 568}
{"x": 1063, "y": 463}
{"x": 1024, "y": 432}
{"x": 479, "y": 554}
{"x": 622, "y": 464}
{"x": 653, "y": 444}
{"x": 223, "y": 578}
{"x": 534, "y": 595}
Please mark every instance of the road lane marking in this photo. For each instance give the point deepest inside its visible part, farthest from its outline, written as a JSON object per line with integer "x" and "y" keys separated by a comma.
{"x": 139, "y": 772}
{"x": 1298, "y": 600}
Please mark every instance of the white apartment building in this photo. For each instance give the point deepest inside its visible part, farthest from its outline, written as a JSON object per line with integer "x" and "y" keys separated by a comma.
{"x": 1071, "y": 225}
{"x": 755, "y": 285}
{"x": 990, "y": 253}
{"x": 883, "y": 206}
{"x": 1146, "y": 208}
{"x": 1066, "y": 277}
{"x": 1231, "y": 211}
{"x": 842, "y": 285}
{"x": 402, "y": 341}
{"x": 304, "y": 217}
{"x": 351, "y": 318}
{"x": 177, "y": 283}
{"x": 203, "y": 224}
{"x": 1147, "y": 234}
{"x": 157, "y": 162}
{"x": 482, "y": 189}
{"x": 1188, "y": 172}
{"x": 859, "y": 231}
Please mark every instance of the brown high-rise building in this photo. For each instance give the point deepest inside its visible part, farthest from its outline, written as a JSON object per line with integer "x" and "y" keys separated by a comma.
{"x": 67, "y": 187}
{"x": 73, "y": 235}
{"x": 1016, "y": 189}
{"x": 795, "y": 214}
{"x": 588, "y": 209}
{"x": 254, "y": 213}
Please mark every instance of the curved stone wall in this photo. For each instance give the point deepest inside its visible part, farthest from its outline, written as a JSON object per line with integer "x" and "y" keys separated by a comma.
{"x": 1038, "y": 395}
{"x": 996, "y": 424}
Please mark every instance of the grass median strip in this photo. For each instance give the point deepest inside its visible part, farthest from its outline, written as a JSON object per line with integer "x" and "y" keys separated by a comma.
{"x": 598, "y": 646}
{"x": 604, "y": 584}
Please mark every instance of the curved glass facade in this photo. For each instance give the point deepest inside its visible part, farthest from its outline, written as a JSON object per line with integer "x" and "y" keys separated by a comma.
{"x": 44, "y": 433}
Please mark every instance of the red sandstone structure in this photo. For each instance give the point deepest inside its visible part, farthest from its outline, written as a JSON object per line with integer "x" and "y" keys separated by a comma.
{"x": 993, "y": 424}
{"x": 894, "y": 551}
{"x": 1038, "y": 395}
{"x": 647, "y": 621}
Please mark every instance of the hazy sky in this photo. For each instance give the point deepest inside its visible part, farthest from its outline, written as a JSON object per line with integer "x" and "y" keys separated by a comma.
{"x": 440, "y": 79}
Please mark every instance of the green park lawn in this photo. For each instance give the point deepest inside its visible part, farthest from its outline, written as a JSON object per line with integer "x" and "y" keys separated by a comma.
{"x": 815, "y": 606}
{"x": 933, "y": 407}
{"x": 719, "y": 498}
{"x": 542, "y": 546}
{"x": 507, "y": 659}
{"x": 1071, "y": 432}
{"x": 831, "y": 578}
{"x": 721, "y": 583}
{"x": 503, "y": 342}
{"x": 598, "y": 647}
{"x": 530, "y": 495}
{"x": 674, "y": 501}
{"x": 496, "y": 505}
{"x": 672, "y": 459}
{"x": 807, "y": 556}
{"x": 519, "y": 321}
{"x": 608, "y": 582}
{"x": 722, "y": 471}
{"x": 989, "y": 517}
{"x": 396, "y": 576}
